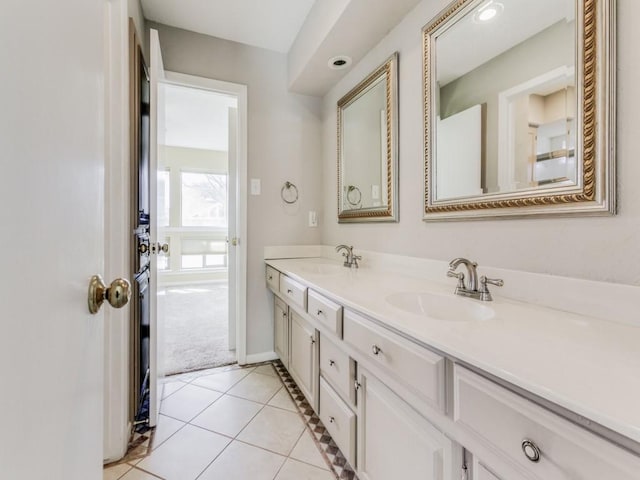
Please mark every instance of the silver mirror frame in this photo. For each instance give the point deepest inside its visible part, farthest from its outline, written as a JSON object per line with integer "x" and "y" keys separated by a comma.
{"x": 595, "y": 193}
{"x": 389, "y": 212}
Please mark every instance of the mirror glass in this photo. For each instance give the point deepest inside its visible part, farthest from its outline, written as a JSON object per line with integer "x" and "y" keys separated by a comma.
{"x": 503, "y": 102}
{"x": 366, "y": 148}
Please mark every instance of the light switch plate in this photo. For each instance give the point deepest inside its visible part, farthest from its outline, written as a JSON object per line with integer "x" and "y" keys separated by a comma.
{"x": 255, "y": 186}
{"x": 313, "y": 218}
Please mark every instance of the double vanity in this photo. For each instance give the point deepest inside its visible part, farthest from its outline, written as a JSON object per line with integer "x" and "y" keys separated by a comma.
{"x": 412, "y": 381}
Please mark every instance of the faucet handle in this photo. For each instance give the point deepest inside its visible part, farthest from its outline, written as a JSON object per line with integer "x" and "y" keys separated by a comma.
{"x": 459, "y": 276}
{"x": 485, "y": 295}
{"x": 498, "y": 282}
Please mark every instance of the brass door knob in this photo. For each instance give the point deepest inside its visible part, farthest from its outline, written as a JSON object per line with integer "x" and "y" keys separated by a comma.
{"x": 157, "y": 248}
{"x": 143, "y": 248}
{"x": 117, "y": 294}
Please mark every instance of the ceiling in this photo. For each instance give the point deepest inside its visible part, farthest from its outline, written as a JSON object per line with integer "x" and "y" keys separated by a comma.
{"x": 196, "y": 118}
{"x": 272, "y": 24}
{"x": 310, "y": 32}
{"x": 483, "y": 41}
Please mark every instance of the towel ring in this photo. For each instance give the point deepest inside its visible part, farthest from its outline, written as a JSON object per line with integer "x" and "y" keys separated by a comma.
{"x": 288, "y": 186}
{"x": 350, "y": 190}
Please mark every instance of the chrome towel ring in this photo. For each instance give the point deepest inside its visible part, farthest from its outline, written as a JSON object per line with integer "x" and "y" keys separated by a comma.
{"x": 352, "y": 189}
{"x": 292, "y": 193}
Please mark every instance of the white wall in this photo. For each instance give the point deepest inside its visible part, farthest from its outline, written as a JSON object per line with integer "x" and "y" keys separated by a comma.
{"x": 284, "y": 144}
{"x": 605, "y": 248}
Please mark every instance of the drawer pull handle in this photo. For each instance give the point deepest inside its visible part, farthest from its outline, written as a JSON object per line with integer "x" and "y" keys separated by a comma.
{"x": 313, "y": 340}
{"x": 270, "y": 277}
{"x": 284, "y": 315}
{"x": 332, "y": 420}
{"x": 331, "y": 363}
{"x": 319, "y": 312}
{"x": 289, "y": 291}
{"x": 531, "y": 450}
{"x": 376, "y": 350}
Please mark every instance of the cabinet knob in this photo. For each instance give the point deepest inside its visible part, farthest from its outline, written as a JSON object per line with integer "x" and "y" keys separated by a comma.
{"x": 376, "y": 350}
{"x": 313, "y": 340}
{"x": 531, "y": 451}
{"x": 319, "y": 312}
{"x": 270, "y": 277}
{"x": 356, "y": 384}
{"x": 289, "y": 291}
{"x": 331, "y": 363}
{"x": 332, "y": 420}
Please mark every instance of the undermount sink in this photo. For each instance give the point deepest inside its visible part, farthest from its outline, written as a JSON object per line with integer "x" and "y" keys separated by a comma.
{"x": 440, "y": 307}
{"x": 322, "y": 269}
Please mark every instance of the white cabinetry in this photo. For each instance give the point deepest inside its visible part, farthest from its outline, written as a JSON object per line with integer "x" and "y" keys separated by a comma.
{"x": 398, "y": 409}
{"x": 303, "y": 357}
{"x": 530, "y": 440}
{"x": 394, "y": 441}
{"x": 281, "y": 331}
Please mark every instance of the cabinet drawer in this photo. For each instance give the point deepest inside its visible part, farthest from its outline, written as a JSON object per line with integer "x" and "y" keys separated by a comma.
{"x": 418, "y": 368}
{"x": 293, "y": 291}
{"x": 337, "y": 368}
{"x": 339, "y": 420}
{"x": 325, "y": 311}
{"x": 273, "y": 278}
{"x": 505, "y": 420}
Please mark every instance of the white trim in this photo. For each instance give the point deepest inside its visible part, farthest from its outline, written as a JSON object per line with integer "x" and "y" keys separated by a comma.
{"x": 240, "y": 91}
{"x": 116, "y": 208}
{"x": 261, "y": 357}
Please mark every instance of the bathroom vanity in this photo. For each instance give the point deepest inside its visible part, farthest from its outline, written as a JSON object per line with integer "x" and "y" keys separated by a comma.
{"x": 414, "y": 382}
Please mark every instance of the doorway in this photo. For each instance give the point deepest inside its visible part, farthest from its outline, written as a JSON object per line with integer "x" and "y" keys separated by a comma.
{"x": 197, "y": 198}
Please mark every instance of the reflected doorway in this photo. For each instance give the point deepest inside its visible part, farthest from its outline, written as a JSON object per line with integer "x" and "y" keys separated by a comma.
{"x": 194, "y": 208}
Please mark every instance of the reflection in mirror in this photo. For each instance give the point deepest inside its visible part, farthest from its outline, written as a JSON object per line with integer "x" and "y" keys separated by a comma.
{"x": 505, "y": 113}
{"x": 367, "y": 157}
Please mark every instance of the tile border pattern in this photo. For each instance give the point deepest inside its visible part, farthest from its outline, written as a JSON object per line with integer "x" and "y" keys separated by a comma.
{"x": 328, "y": 448}
{"x": 140, "y": 443}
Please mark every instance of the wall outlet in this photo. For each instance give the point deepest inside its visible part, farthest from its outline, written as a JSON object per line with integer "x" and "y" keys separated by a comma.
{"x": 313, "y": 219}
{"x": 255, "y": 186}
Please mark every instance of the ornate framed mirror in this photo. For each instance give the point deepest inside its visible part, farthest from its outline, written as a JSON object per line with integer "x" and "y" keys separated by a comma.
{"x": 519, "y": 109}
{"x": 368, "y": 148}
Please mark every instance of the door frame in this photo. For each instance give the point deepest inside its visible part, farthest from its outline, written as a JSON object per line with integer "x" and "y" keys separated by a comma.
{"x": 117, "y": 234}
{"x": 240, "y": 92}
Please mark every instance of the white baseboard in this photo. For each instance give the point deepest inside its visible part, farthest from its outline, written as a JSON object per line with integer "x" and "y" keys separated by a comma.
{"x": 261, "y": 357}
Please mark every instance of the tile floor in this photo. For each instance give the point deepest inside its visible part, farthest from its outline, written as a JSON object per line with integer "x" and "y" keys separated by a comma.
{"x": 227, "y": 423}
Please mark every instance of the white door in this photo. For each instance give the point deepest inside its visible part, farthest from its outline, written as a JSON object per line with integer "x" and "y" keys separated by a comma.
{"x": 52, "y": 227}
{"x": 389, "y": 428}
{"x": 303, "y": 365}
{"x": 156, "y": 371}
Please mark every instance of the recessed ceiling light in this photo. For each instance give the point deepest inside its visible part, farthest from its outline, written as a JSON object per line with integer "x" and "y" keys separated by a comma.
{"x": 339, "y": 62}
{"x": 488, "y": 11}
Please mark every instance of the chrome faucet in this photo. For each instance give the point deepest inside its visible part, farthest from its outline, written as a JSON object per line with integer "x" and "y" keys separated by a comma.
{"x": 471, "y": 289}
{"x": 351, "y": 260}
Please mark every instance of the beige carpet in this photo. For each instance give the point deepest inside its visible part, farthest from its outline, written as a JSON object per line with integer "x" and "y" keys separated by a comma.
{"x": 195, "y": 327}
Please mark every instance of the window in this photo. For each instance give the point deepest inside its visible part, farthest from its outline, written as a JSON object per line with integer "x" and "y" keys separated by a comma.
{"x": 204, "y": 200}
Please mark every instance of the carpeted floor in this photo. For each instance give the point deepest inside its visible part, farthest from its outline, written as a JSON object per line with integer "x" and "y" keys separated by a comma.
{"x": 195, "y": 327}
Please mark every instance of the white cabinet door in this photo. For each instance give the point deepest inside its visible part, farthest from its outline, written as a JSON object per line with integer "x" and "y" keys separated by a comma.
{"x": 303, "y": 362}
{"x": 480, "y": 472}
{"x": 52, "y": 118}
{"x": 281, "y": 331}
{"x": 394, "y": 441}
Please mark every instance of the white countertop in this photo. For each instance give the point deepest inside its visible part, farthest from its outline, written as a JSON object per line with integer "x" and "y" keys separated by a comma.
{"x": 586, "y": 365}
